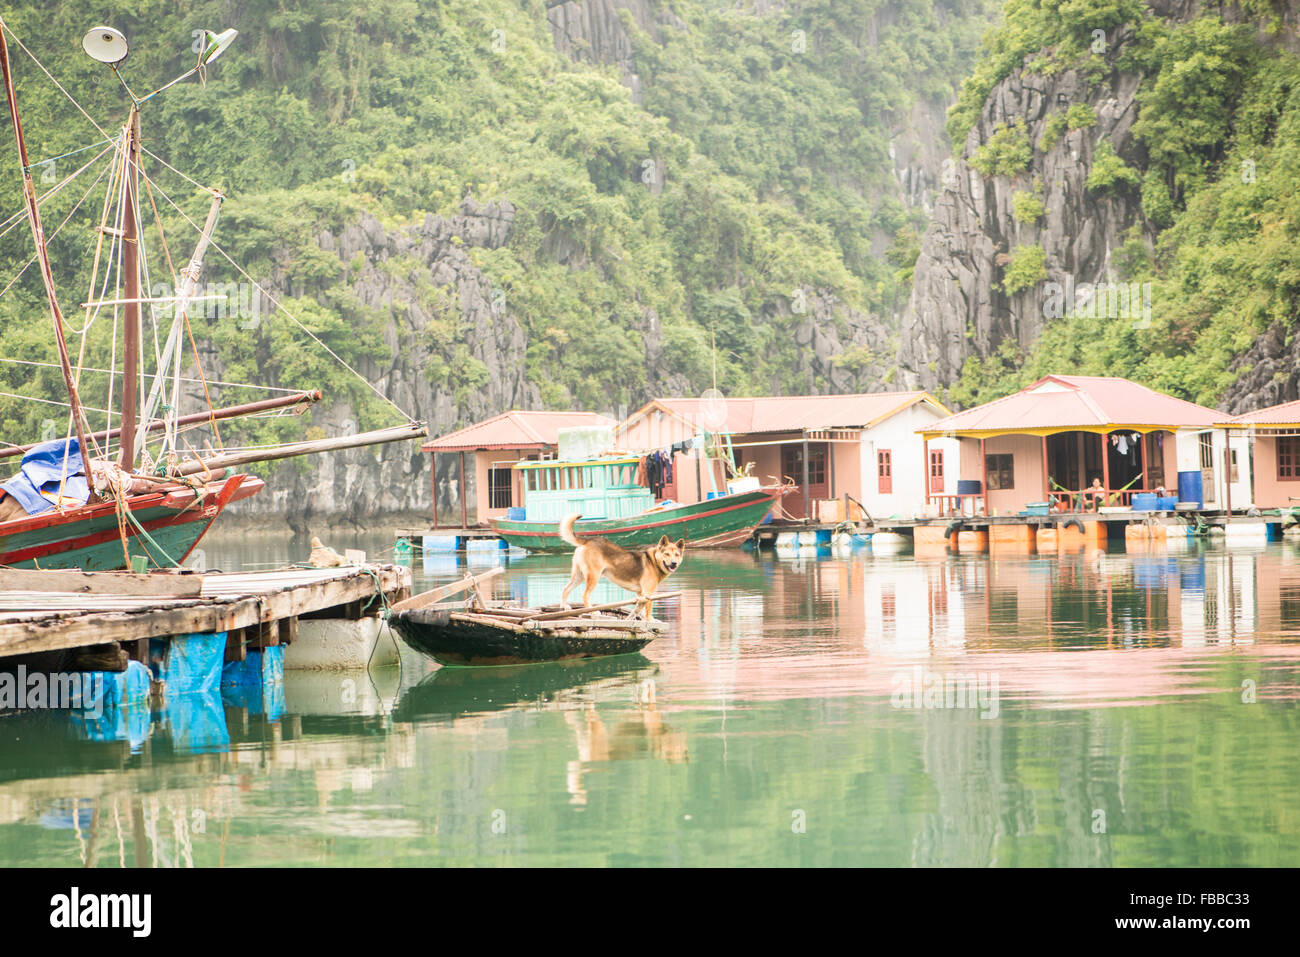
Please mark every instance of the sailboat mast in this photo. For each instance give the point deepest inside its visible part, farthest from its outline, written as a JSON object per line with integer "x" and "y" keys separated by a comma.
{"x": 38, "y": 233}
{"x": 131, "y": 295}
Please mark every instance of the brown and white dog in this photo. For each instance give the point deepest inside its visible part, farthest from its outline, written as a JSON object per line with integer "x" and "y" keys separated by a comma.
{"x": 637, "y": 571}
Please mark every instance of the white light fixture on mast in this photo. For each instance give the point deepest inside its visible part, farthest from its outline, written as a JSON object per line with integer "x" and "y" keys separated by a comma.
{"x": 108, "y": 45}
{"x": 105, "y": 45}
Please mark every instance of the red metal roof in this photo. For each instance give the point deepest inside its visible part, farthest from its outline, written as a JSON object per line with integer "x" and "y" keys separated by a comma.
{"x": 1285, "y": 413}
{"x": 1064, "y": 403}
{"x": 789, "y": 413}
{"x": 514, "y": 430}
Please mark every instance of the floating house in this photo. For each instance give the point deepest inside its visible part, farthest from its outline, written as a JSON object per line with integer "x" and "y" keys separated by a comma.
{"x": 866, "y": 446}
{"x": 1080, "y": 443}
{"x": 496, "y": 444}
{"x": 1274, "y": 438}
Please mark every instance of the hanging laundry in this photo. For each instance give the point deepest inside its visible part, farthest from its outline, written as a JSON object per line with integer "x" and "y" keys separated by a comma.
{"x": 1121, "y": 443}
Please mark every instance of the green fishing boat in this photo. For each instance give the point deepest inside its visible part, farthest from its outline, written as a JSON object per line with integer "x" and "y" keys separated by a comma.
{"x": 615, "y": 507}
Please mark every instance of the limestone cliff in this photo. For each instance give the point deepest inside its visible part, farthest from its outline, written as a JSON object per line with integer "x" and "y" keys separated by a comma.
{"x": 958, "y": 307}
{"x": 962, "y": 304}
{"x": 394, "y": 480}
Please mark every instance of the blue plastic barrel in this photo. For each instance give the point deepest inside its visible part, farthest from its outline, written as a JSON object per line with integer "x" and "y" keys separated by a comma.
{"x": 516, "y": 514}
{"x": 1190, "y": 488}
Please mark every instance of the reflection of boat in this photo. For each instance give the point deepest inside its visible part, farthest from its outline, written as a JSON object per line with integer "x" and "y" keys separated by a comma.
{"x": 452, "y": 692}
{"x": 506, "y": 635}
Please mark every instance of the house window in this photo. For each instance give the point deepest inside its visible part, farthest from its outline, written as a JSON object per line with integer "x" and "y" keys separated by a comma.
{"x": 1288, "y": 458}
{"x": 936, "y": 472}
{"x": 885, "y": 471}
{"x": 1232, "y": 455}
{"x": 1207, "y": 450}
{"x": 1001, "y": 472}
{"x": 500, "y": 488}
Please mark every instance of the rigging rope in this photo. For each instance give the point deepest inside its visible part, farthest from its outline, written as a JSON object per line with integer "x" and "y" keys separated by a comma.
{"x": 72, "y": 99}
{"x": 55, "y": 233}
{"x": 118, "y": 372}
{"x": 19, "y": 216}
{"x": 276, "y": 302}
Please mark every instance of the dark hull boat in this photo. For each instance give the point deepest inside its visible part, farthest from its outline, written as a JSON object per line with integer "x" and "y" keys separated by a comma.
{"x": 508, "y": 635}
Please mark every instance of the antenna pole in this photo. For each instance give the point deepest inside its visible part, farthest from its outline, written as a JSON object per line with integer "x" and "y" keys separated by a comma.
{"x": 47, "y": 276}
{"x": 131, "y": 293}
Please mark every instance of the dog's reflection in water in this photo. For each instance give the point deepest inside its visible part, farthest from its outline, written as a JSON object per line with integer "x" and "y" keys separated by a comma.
{"x": 642, "y": 734}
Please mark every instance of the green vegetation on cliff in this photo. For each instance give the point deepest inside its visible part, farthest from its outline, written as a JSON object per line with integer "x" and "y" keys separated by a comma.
{"x": 758, "y": 164}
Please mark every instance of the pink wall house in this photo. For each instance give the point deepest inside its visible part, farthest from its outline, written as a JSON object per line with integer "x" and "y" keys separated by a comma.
{"x": 1051, "y": 440}
{"x": 487, "y": 451}
{"x": 1274, "y": 437}
{"x": 864, "y": 445}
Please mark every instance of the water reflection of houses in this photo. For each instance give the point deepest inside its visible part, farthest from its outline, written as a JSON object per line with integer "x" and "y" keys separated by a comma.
{"x": 1107, "y": 601}
{"x": 910, "y": 607}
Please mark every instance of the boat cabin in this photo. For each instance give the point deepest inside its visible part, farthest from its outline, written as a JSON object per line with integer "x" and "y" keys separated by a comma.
{"x": 603, "y": 488}
{"x": 473, "y": 469}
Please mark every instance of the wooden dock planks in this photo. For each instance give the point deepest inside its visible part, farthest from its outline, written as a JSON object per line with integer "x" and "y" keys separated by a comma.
{"x": 34, "y": 621}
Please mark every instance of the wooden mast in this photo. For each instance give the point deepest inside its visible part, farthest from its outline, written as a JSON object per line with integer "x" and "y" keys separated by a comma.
{"x": 47, "y": 276}
{"x": 131, "y": 295}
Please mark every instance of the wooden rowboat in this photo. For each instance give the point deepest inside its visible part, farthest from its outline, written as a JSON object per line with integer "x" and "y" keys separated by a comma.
{"x": 511, "y": 635}
{"x": 483, "y": 632}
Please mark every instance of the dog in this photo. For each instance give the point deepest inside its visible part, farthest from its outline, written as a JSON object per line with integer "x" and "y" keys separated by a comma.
{"x": 638, "y": 571}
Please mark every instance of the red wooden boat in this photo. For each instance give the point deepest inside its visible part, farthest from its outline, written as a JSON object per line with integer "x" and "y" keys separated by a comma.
{"x": 165, "y": 526}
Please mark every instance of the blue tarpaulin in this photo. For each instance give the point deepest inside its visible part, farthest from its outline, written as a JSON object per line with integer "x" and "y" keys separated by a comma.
{"x": 196, "y": 723}
{"x": 114, "y": 706}
{"x": 41, "y": 470}
{"x": 256, "y": 683}
{"x": 191, "y": 662}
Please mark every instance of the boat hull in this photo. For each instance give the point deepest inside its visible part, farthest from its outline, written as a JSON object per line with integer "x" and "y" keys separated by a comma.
{"x": 720, "y": 522}
{"x": 449, "y": 641}
{"x": 88, "y": 537}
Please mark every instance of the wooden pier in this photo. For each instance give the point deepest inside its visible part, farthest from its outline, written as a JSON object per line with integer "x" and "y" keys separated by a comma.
{"x": 43, "y": 611}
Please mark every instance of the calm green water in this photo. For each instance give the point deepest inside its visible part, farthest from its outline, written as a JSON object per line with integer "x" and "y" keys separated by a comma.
{"x": 1126, "y": 710}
